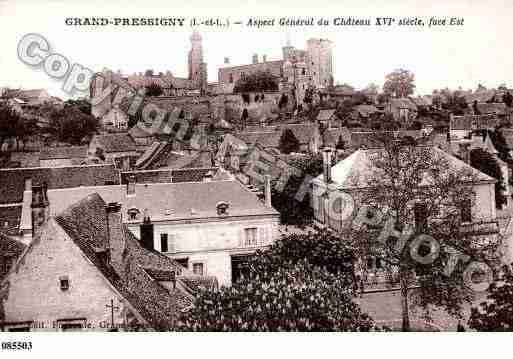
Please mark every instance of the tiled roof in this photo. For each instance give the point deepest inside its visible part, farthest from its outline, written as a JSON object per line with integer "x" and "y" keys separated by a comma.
{"x": 403, "y": 103}
{"x": 325, "y": 115}
{"x": 265, "y": 139}
{"x": 10, "y": 249}
{"x": 49, "y": 153}
{"x": 169, "y": 175}
{"x": 479, "y": 96}
{"x": 365, "y": 110}
{"x": 182, "y": 201}
{"x": 507, "y": 133}
{"x": 357, "y": 170}
{"x": 12, "y": 180}
{"x": 116, "y": 142}
{"x": 331, "y": 136}
{"x": 12, "y": 216}
{"x": 85, "y": 222}
{"x": 492, "y": 108}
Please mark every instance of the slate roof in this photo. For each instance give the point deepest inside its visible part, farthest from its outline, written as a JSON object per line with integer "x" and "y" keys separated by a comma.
{"x": 265, "y": 139}
{"x": 171, "y": 201}
{"x": 50, "y": 153}
{"x": 85, "y": 223}
{"x": 12, "y": 180}
{"x": 116, "y": 142}
{"x": 357, "y": 170}
{"x": 269, "y": 136}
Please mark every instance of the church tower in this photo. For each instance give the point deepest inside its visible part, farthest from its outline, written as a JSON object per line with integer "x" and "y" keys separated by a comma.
{"x": 195, "y": 58}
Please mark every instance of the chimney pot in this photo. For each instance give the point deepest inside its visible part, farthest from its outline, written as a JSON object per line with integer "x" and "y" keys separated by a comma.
{"x": 255, "y": 59}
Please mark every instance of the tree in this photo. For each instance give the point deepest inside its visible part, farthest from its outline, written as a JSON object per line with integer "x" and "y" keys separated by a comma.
{"x": 154, "y": 89}
{"x": 507, "y": 98}
{"x": 399, "y": 83}
{"x": 71, "y": 125}
{"x": 410, "y": 189}
{"x": 14, "y": 124}
{"x": 496, "y": 313}
{"x": 82, "y": 104}
{"x": 486, "y": 163}
{"x": 259, "y": 81}
{"x": 301, "y": 283}
{"x": 288, "y": 142}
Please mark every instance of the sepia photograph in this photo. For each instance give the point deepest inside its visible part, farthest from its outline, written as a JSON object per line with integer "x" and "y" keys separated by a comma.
{"x": 328, "y": 166}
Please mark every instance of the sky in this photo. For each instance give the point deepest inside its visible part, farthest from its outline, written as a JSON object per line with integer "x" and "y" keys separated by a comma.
{"x": 479, "y": 51}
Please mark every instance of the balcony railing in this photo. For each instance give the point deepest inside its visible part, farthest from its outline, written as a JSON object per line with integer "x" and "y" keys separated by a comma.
{"x": 480, "y": 228}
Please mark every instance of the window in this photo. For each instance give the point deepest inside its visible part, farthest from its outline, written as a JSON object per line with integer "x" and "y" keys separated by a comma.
{"x": 197, "y": 268}
{"x": 184, "y": 262}
{"x": 64, "y": 283}
{"x": 164, "y": 242}
{"x": 231, "y": 78}
{"x": 466, "y": 210}
{"x": 132, "y": 213}
{"x": 250, "y": 237}
{"x": 420, "y": 212}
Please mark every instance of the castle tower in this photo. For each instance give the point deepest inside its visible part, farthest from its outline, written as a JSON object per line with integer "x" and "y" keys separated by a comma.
{"x": 320, "y": 62}
{"x": 195, "y": 58}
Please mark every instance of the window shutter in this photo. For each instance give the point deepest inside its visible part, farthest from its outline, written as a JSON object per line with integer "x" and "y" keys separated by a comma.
{"x": 171, "y": 243}
{"x": 262, "y": 238}
{"x": 241, "y": 237}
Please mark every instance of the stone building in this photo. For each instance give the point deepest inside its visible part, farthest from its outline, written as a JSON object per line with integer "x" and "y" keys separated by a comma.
{"x": 86, "y": 271}
{"x": 296, "y": 71}
{"x": 208, "y": 226}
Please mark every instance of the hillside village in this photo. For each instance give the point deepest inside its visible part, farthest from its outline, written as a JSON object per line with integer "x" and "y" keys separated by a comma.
{"x": 118, "y": 219}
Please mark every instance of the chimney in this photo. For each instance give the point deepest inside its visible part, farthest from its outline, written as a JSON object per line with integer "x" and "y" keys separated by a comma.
{"x": 208, "y": 176}
{"x": 147, "y": 232}
{"x": 28, "y": 184}
{"x": 39, "y": 206}
{"x": 130, "y": 186}
{"x": 264, "y": 58}
{"x": 326, "y": 164}
{"x": 465, "y": 152}
{"x": 267, "y": 191}
{"x": 255, "y": 59}
{"x": 116, "y": 237}
{"x": 226, "y": 60}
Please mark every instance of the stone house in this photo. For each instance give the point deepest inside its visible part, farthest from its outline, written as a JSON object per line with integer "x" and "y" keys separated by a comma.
{"x": 207, "y": 226}
{"x": 351, "y": 177}
{"x": 86, "y": 271}
{"x": 117, "y": 148}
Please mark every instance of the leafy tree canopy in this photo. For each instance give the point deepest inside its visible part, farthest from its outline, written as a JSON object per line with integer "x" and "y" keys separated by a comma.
{"x": 299, "y": 284}
{"x": 496, "y": 313}
{"x": 256, "y": 82}
{"x": 399, "y": 83}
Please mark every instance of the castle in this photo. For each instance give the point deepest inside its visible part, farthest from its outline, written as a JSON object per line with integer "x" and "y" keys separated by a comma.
{"x": 298, "y": 69}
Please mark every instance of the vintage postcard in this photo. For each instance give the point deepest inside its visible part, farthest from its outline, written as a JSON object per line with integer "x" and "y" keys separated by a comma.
{"x": 327, "y": 166}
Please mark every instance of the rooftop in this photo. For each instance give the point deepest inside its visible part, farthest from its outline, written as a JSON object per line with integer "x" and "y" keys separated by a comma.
{"x": 169, "y": 201}
{"x": 12, "y": 180}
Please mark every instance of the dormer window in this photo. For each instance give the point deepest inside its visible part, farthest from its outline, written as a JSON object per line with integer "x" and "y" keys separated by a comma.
{"x": 132, "y": 213}
{"x": 64, "y": 283}
{"x": 222, "y": 208}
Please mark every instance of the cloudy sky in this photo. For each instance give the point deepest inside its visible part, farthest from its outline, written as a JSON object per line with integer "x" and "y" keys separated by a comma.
{"x": 480, "y": 51}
